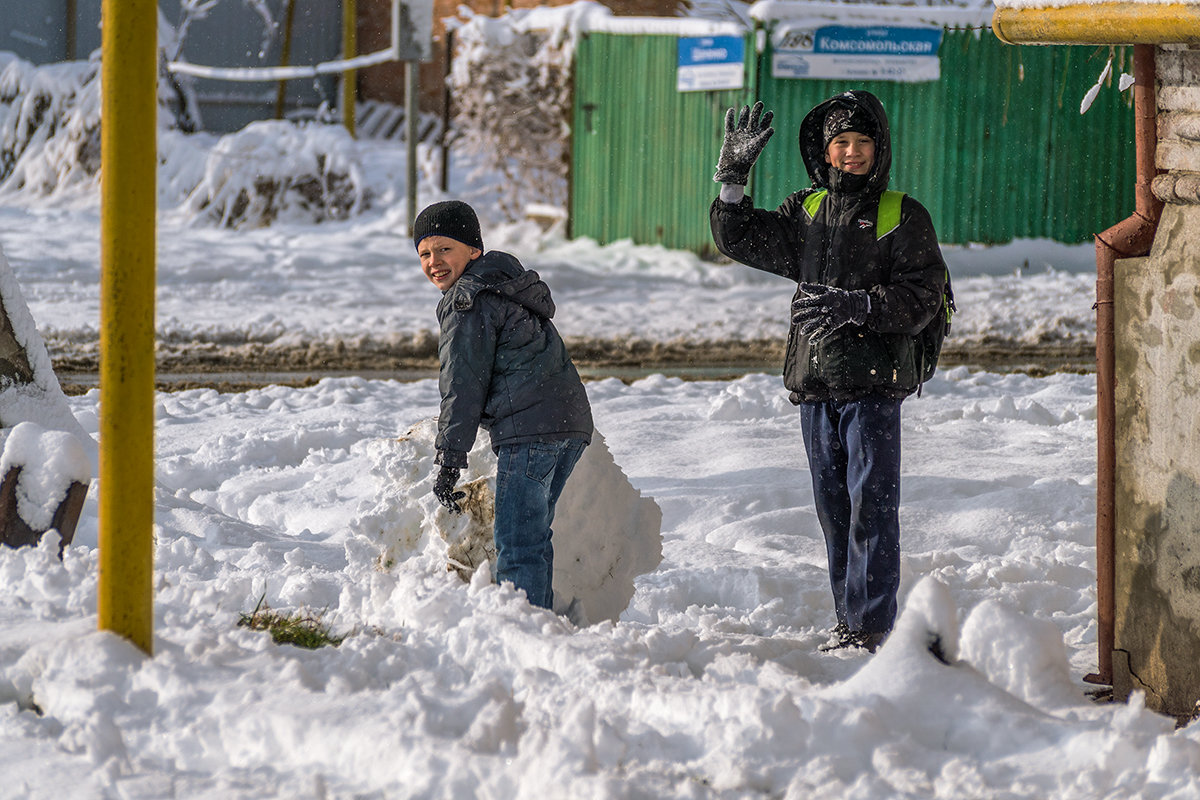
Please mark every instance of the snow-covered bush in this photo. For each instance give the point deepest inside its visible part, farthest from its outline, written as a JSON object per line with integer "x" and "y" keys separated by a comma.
{"x": 50, "y": 122}
{"x": 511, "y": 80}
{"x": 50, "y": 142}
{"x": 50, "y": 119}
{"x": 301, "y": 172}
{"x": 49, "y": 125}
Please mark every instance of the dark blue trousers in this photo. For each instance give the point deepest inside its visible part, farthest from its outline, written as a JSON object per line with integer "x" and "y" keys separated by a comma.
{"x": 854, "y": 456}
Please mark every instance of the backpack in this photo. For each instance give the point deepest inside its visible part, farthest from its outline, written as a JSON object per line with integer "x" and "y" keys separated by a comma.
{"x": 929, "y": 340}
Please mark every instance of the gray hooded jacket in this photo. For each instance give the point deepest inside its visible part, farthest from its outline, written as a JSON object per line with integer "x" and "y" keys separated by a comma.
{"x": 503, "y": 365}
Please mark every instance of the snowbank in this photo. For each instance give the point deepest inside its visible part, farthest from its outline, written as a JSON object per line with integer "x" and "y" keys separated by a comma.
{"x": 50, "y": 461}
{"x": 49, "y": 126}
{"x": 269, "y": 171}
{"x": 605, "y": 532}
{"x": 297, "y": 173}
{"x": 36, "y": 396}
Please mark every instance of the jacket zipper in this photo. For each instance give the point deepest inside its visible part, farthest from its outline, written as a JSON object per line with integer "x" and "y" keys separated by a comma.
{"x": 831, "y": 214}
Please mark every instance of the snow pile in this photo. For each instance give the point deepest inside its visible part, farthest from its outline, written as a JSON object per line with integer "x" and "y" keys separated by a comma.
{"x": 979, "y": 716}
{"x": 50, "y": 461}
{"x": 49, "y": 126}
{"x": 269, "y": 171}
{"x": 276, "y": 170}
{"x": 40, "y": 398}
{"x": 1022, "y": 655}
{"x": 605, "y": 532}
{"x": 39, "y": 435}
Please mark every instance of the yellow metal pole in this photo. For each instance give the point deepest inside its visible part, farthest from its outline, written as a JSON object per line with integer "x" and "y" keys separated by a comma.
{"x": 1099, "y": 23}
{"x": 128, "y": 155}
{"x": 349, "y": 50}
{"x": 285, "y": 57}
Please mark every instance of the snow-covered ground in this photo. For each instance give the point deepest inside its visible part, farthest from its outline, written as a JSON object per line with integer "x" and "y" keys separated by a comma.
{"x": 709, "y": 685}
{"x": 359, "y": 280}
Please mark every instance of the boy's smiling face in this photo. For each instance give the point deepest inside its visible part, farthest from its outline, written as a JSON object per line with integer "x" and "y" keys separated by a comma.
{"x": 851, "y": 151}
{"x": 444, "y": 260}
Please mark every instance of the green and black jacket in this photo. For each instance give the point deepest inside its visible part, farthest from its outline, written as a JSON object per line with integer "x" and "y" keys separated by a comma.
{"x": 839, "y": 245}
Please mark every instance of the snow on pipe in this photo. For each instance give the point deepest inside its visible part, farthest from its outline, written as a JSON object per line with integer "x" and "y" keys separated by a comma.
{"x": 1099, "y": 23}
{"x": 247, "y": 74}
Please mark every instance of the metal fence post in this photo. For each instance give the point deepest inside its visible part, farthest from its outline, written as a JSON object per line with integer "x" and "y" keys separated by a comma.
{"x": 128, "y": 201}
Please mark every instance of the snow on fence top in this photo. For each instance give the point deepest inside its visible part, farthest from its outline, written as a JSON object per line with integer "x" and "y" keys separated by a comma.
{"x": 950, "y": 16}
{"x": 670, "y": 26}
{"x": 587, "y": 16}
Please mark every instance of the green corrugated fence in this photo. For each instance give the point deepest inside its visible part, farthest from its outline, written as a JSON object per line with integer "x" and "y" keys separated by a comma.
{"x": 996, "y": 149}
{"x": 642, "y": 153}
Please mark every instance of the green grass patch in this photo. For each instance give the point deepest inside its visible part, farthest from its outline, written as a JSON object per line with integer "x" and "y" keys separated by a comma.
{"x": 297, "y": 628}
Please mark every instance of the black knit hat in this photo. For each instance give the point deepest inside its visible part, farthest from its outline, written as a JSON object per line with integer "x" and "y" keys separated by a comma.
{"x": 842, "y": 118}
{"x": 453, "y": 219}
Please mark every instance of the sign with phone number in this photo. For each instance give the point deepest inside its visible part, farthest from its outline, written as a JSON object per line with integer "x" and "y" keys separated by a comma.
{"x": 880, "y": 53}
{"x": 709, "y": 63}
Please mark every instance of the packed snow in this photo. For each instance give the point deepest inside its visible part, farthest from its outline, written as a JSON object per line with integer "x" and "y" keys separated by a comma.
{"x": 707, "y": 683}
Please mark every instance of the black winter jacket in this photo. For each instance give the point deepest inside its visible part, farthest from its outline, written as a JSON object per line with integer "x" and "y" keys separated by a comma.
{"x": 903, "y": 271}
{"x": 503, "y": 365}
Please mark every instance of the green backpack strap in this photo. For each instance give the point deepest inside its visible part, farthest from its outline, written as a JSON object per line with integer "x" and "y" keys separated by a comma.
{"x": 887, "y": 217}
{"x": 813, "y": 202}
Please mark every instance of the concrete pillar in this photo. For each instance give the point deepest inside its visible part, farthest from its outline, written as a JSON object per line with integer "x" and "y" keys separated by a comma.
{"x": 1157, "y": 554}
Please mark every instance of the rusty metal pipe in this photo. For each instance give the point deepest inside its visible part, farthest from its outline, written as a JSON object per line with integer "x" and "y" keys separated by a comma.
{"x": 1129, "y": 238}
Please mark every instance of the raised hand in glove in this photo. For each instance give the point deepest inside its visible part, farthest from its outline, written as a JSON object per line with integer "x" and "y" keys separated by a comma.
{"x": 821, "y": 310}
{"x": 443, "y": 489}
{"x": 744, "y": 141}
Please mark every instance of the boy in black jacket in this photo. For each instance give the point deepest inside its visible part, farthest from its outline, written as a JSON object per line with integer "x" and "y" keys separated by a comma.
{"x": 503, "y": 368}
{"x": 864, "y": 292}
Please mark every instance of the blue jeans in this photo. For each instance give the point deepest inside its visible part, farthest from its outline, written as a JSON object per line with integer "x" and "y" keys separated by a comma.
{"x": 529, "y": 479}
{"x": 854, "y": 456}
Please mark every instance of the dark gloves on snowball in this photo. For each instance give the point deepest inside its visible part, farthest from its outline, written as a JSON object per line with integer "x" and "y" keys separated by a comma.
{"x": 744, "y": 141}
{"x": 443, "y": 489}
{"x": 821, "y": 310}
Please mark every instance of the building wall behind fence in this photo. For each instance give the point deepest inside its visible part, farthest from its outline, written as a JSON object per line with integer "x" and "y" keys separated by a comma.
{"x": 995, "y": 150}
{"x": 231, "y": 35}
{"x": 234, "y": 35}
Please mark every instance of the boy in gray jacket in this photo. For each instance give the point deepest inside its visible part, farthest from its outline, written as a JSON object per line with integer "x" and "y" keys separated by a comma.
{"x": 503, "y": 368}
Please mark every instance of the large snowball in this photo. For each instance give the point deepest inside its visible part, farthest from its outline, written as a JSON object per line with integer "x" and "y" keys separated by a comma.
{"x": 605, "y": 532}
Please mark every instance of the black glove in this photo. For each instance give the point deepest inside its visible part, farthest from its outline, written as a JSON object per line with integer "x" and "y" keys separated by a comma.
{"x": 821, "y": 310}
{"x": 743, "y": 144}
{"x": 443, "y": 489}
